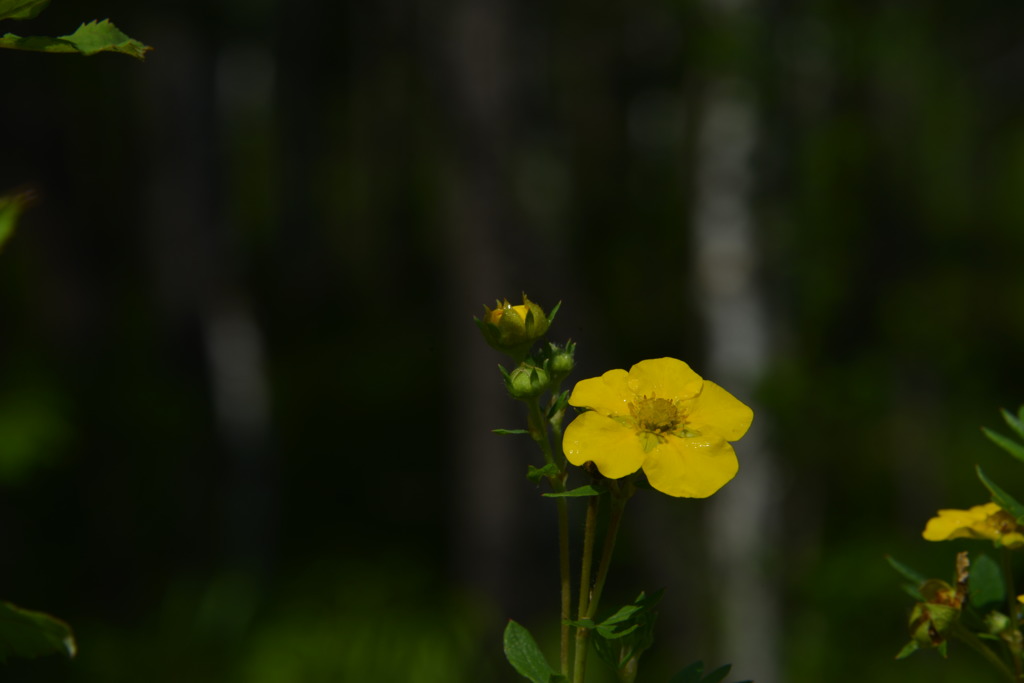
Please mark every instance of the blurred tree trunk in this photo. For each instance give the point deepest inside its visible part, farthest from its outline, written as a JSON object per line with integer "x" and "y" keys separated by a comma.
{"x": 201, "y": 99}
{"x": 479, "y": 251}
{"x": 742, "y": 524}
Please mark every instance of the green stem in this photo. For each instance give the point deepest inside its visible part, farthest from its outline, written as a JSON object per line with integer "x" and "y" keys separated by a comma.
{"x": 618, "y": 504}
{"x": 565, "y": 572}
{"x": 619, "y": 499}
{"x": 589, "y": 531}
{"x": 539, "y": 431}
{"x": 1011, "y": 608}
{"x": 968, "y": 637}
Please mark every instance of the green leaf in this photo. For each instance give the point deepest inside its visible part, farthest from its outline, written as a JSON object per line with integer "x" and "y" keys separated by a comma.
{"x": 694, "y": 672}
{"x": 906, "y": 572}
{"x": 88, "y": 39}
{"x": 913, "y": 591}
{"x": 24, "y": 633}
{"x": 691, "y": 674}
{"x": 525, "y": 657}
{"x": 622, "y": 615}
{"x": 21, "y": 9}
{"x": 1016, "y": 423}
{"x": 11, "y": 208}
{"x": 908, "y": 649}
{"x": 1001, "y": 497}
{"x": 559, "y": 404}
{"x": 580, "y": 492}
{"x": 553, "y": 313}
{"x": 510, "y": 431}
{"x": 718, "y": 674}
{"x": 986, "y": 582}
{"x": 538, "y": 473}
{"x": 1008, "y": 445}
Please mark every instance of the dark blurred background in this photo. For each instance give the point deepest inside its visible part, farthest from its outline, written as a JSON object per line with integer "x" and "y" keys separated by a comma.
{"x": 245, "y": 415}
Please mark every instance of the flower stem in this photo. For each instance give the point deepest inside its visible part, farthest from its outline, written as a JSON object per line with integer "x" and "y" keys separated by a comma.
{"x": 968, "y": 637}
{"x": 538, "y": 427}
{"x": 589, "y": 531}
{"x": 1011, "y": 606}
{"x": 619, "y": 497}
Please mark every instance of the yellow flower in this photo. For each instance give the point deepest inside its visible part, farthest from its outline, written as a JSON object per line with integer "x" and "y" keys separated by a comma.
{"x": 988, "y": 521}
{"x": 660, "y": 416}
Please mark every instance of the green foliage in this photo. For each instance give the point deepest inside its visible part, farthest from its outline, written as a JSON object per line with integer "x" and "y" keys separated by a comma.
{"x": 89, "y": 39}
{"x": 525, "y": 656}
{"x": 21, "y": 9}
{"x": 1016, "y": 423}
{"x": 986, "y": 582}
{"x": 581, "y": 492}
{"x": 628, "y": 633}
{"x": 25, "y": 633}
{"x": 11, "y": 208}
{"x": 916, "y": 578}
{"x": 1001, "y": 497}
{"x": 537, "y": 473}
{"x": 694, "y": 673}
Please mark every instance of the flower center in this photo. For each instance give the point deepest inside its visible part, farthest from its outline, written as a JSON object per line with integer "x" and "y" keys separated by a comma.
{"x": 657, "y": 415}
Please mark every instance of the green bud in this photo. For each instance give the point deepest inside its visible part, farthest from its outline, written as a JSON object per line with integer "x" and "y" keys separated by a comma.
{"x": 562, "y": 360}
{"x": 513, "y": 329}
{"x": 997, "y": 623}
{"x": 527, "y": 381}
{"x": 929, "y": 623}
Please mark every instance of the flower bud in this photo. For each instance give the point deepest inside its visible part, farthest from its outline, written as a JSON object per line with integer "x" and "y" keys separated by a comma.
{"x": 998, "y": 623}
{"x": 929, "y": 623}
{"x": 562, "y": 361}
{"x": 513, "y": 329}
{"x": 527, "y": 381}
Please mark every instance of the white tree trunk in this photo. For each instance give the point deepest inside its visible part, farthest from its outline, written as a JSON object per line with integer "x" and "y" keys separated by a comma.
{"x": 741, "y": 523}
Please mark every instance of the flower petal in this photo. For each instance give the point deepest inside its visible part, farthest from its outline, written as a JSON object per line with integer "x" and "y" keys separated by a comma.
{"x": 952, "y": 524}
{"x": 719, "y": 412}
{"x": 607, "y": 394}
{"x": 692, "y": 467}
{"x": 613, "y": 447}
{"x": 665, "y": 378}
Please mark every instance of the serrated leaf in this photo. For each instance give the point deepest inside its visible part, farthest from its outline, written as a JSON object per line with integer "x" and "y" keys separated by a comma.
{"x": 1009, "y": 445}
{"x": 1001, "y": 497}
{"x": 89, "y": 39}
{"x": 21, "y": 9}
{"x": 26, "y": 633}
{"x": 510, "y": 431}
{"x": 525, "y": 657}
{"x": 986, "y": 582}
{"x": 581, "y": 492}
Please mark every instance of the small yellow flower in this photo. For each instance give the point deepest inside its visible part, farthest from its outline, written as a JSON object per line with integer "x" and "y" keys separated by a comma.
{"x": 988, "y": 521}
{"x": 660, "y": 416}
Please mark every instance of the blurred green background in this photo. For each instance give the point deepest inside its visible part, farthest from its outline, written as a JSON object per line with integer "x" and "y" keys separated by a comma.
{"x": 244, "y": 412}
